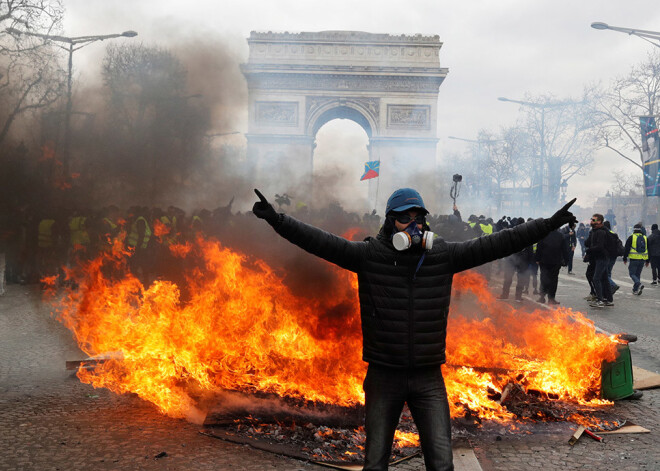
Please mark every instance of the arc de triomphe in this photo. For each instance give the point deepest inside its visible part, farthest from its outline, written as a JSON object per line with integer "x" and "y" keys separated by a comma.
{"x": 297, "y": 82}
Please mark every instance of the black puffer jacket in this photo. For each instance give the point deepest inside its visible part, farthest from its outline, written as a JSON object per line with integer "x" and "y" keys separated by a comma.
{"x": 654, "y": 243}
{"x": 404, "y": 314}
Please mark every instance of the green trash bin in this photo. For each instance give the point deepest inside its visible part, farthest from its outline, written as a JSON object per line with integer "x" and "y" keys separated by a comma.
{"x": 617, "y": 377}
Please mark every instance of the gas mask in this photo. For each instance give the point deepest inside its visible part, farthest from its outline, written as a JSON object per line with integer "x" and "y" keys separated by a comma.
{"x": 412, "y": 236}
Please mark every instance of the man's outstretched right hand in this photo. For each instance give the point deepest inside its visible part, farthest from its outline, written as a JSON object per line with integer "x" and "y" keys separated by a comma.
{"x": 264, "y": 210}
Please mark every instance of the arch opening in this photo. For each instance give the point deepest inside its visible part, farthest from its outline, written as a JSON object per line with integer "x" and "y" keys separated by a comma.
{"x": 340, "y": 152}
{"x": 342, "y": 112}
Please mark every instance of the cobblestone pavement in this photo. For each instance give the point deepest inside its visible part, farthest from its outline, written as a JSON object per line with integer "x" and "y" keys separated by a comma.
{"x": 50, "y": 421}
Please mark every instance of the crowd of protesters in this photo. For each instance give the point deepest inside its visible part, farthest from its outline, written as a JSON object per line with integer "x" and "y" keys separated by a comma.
{"x": 36, "y": 243}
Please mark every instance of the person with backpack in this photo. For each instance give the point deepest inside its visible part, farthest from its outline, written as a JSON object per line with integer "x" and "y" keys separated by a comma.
{"x": 636, "y": 249}
{"x": 614, "y": 248}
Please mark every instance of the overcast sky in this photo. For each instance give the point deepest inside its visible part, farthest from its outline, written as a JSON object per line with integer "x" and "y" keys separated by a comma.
{"x": 491, "y": 48}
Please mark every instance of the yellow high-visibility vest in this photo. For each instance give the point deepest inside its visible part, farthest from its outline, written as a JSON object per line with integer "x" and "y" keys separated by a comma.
{"x": 79, "y": 235}
{"x": 133, "y": 236}
{"x": 634, "y": 254}
{"x": 486, "y": 228}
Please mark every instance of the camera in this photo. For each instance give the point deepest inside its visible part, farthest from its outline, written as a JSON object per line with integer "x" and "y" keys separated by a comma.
{"x": 457, "y": 178}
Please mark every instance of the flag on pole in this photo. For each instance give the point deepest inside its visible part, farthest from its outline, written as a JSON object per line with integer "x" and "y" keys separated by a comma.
{"x": 371, "y": 170}
{"x": 651, "y": 153}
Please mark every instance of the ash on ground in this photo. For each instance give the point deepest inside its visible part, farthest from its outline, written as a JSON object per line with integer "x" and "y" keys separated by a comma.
{"x": 322, "y": 443}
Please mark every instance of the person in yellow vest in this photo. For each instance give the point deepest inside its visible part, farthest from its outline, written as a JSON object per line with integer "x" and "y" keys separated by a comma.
{"x": 107, "y": 228}
{"x": 637, "y": 250}
{"x": 138, "y": 239}
{"x": 486, "y": 226}
{"x": 198, "y": 223}
{"x": 79, "y": 239}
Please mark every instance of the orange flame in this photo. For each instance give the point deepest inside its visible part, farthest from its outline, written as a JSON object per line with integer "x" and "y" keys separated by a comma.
{"x": 241, "y": 328}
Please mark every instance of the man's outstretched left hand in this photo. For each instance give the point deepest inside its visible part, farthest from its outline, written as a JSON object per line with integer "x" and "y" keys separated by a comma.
{"x": 562, "y": 217}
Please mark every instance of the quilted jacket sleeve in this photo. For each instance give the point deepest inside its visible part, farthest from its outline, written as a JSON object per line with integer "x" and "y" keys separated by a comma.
{"x": 484, "y": 249}
{"x": 344, "y": 253}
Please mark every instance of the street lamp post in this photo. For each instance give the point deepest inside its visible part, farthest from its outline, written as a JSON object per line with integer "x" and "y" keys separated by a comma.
{"x": 640, "y": 33}
{"x": 540, "y": 171}
{"x": 73, "y": 44}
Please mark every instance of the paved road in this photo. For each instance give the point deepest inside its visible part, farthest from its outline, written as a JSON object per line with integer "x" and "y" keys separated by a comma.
{"x": 50, "y": 421}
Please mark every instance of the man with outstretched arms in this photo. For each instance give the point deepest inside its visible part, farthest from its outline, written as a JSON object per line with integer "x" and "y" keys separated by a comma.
{"x": 404, "y": 282}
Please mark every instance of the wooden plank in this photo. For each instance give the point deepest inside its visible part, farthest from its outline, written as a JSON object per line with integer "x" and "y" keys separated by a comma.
{"x": 645, "y": 379}
{"x": 89, "y": 363}
{"x": 628, "y": 428}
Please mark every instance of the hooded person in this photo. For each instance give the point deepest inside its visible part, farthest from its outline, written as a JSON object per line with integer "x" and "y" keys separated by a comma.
{"x": 636, "y": 250}
{"x": 654, "y": 253}
{"x": 404, "y": 285}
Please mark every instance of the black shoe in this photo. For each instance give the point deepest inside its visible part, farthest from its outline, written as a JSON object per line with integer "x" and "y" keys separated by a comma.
{"x": 553, "y": 301}
{"x": 654, "y": 282}
{"x": 502, "y": 297}
{"x": 639, "y": 291}
{"x": 541, "y": 299}
{"x": 615, "y": 289}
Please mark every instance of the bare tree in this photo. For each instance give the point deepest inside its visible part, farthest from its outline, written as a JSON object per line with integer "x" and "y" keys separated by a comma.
{"x": 627, "y": 183}
{"x": 156, "y": 131}
{"x": 30, "y": 75}
{"x": 563, "y": 133}
{"x": 620, "y": 107}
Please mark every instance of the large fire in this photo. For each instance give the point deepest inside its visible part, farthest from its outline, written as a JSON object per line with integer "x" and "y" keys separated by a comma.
{"x": 235, "y": 325}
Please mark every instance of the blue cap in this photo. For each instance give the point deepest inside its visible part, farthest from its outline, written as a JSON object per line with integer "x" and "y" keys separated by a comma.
{"x": 404, "y": 198}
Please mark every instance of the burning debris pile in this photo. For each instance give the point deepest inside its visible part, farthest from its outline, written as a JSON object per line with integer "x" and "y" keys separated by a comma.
{"x": 237, "y": 326}
{"x": 311, "y": 442}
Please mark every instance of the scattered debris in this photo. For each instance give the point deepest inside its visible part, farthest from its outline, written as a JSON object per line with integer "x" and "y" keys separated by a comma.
{"x": 576, "y": 436}
{"x": 593, "y": 435}
{"x": 162, "y": 454}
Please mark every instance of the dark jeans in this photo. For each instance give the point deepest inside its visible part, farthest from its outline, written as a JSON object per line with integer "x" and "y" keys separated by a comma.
{"x": 549, "y": 279}
{"x": 590, "y": 277}
{"x": 635, "y": 271}
{"x": 655, "y": 267}
{"x": 571, "y": 253}
{"x": 386, "y": 391}
{"x": 610, "y": 266}
{"x": 600, "y": 281}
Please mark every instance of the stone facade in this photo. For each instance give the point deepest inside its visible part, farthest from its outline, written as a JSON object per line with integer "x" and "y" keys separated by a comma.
{"x": 297, "y": 82}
